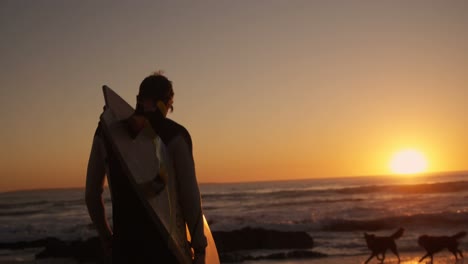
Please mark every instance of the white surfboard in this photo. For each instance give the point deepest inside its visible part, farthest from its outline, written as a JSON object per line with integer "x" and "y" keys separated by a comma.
{"x": 143, "y": 159}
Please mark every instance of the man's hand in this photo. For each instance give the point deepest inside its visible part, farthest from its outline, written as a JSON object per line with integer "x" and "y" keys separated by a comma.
{"x": 106, "y": 244}
{"x": 199, "y": 257}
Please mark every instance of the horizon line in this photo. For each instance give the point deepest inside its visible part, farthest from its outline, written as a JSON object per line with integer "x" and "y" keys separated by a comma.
{"x": 453, "y": 172}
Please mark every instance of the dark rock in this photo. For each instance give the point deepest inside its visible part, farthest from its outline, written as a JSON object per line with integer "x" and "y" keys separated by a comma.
{"x": 228, "y": 244}
{"x": 258, "y": 238}
{"x": 24, "y": 244}
{"x": 88, "y": 250}
{"x": 294, "y": 255}
{"x": 240, "y": 257}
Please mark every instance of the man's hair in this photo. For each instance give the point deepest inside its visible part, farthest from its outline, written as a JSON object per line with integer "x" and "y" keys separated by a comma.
{"x": 156, "y": 87}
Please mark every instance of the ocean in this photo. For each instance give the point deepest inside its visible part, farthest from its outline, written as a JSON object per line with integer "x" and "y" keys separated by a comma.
{"x": 335, "y": 212}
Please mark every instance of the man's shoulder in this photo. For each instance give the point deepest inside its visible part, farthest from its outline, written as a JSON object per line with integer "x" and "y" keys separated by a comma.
{"x": 174, "y": 129}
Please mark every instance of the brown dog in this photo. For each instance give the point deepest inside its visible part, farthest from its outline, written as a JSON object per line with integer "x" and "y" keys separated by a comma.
{"x": 434, "y": 244}
{"x": 379, "y": 245}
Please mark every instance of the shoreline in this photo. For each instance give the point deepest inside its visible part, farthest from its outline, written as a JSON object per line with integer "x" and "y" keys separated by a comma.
{"x": 247, "y": 245}
{"x": 232, "y": 248}
{"x": 406, "y": 258}
{"x": 270, "y": 224}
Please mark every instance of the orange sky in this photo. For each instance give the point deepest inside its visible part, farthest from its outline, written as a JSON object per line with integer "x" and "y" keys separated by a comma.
{"x": 276, "y": 90}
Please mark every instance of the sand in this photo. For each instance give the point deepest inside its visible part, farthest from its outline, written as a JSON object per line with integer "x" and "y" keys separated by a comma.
{"x": 406, "y": 258}
{"x": 27, "y": 257}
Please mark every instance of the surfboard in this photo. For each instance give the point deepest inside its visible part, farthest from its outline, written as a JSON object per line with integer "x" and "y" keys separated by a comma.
{"x": 146, "y": 164}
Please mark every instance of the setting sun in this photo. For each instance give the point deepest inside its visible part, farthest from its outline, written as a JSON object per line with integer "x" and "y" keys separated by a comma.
{"x": 408, "y": 161}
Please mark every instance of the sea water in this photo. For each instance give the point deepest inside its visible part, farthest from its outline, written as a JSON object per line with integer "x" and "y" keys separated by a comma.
{"x": 335, "y": 212}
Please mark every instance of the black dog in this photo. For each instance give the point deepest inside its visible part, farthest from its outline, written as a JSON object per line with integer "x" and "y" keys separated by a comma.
{"x": 434, "y": 244}
{"x": 379, "y": 245}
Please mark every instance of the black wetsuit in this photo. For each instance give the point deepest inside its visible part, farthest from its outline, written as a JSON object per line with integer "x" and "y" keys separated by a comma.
{"x": 135, "y": 237}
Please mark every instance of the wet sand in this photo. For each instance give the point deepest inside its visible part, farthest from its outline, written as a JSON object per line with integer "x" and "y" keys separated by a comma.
{"x": 406, "y": 258}
{"x": 27, "y": 257}
{"x": 328, "y": 260}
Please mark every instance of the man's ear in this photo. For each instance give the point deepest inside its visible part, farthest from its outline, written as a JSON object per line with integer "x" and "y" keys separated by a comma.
{"x": 162, "y": 107}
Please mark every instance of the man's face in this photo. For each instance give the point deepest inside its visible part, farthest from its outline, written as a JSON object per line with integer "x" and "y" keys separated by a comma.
{"x": 150, "y": 105}
{"x": 170, "y": 104}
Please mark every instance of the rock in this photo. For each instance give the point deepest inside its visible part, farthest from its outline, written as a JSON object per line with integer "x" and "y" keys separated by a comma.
{"x": 240, "y": 257}
{"x": 258, "y": 238}
{"x": 229, "y": 243}
{"x": 24, "y": 244}
{"x": 294, "y": 255}
{"x": 88, "y": 250}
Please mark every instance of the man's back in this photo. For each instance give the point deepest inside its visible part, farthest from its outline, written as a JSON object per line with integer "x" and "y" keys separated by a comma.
{"x": 135, "y": 237}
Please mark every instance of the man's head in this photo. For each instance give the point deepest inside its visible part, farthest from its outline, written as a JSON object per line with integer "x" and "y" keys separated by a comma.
{"x": 155, "y": 93}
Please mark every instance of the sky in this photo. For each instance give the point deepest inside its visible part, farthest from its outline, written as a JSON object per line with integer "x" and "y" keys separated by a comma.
{"x": 269, "y": 90}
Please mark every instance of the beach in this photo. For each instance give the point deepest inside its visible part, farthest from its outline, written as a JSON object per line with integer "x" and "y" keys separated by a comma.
{"x": 319, "y": 221}
{"x": 406, "y": 258}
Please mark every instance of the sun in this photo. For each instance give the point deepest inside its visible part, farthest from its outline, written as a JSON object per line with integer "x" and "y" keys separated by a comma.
{"x": 408, "y": 161}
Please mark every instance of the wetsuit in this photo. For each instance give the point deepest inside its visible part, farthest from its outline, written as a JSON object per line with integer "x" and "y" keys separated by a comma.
{"x": 135, "y": 238}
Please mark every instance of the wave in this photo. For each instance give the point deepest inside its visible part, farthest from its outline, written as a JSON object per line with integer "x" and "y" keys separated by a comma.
{"x": 446, "y": 219}
{"x": 291, "y": 203}
{"x": 65, "y": 204}
{"x": 423, "y": 188}
{"x": 6, "y": 206}
{"x": 37, "y": 207}
{"x": 23, "y": 208}
{"x": 20, "y": 212}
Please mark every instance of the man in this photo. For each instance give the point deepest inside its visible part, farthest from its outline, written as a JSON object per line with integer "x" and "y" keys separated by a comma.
{"x": 134, "y": 238}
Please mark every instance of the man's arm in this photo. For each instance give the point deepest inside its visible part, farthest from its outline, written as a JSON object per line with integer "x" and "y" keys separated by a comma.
{"x": 95, "y": 179}
{"x": 189, "y": 192}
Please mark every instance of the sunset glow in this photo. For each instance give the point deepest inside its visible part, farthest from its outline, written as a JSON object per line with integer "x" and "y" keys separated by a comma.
{"x": 408, "y": 161}
{"x": 273, "y": 90}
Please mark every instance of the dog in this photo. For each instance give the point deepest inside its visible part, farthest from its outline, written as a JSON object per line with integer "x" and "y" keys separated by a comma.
{"x": 434, "y": 244}
{"x": 379, "y": 245}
